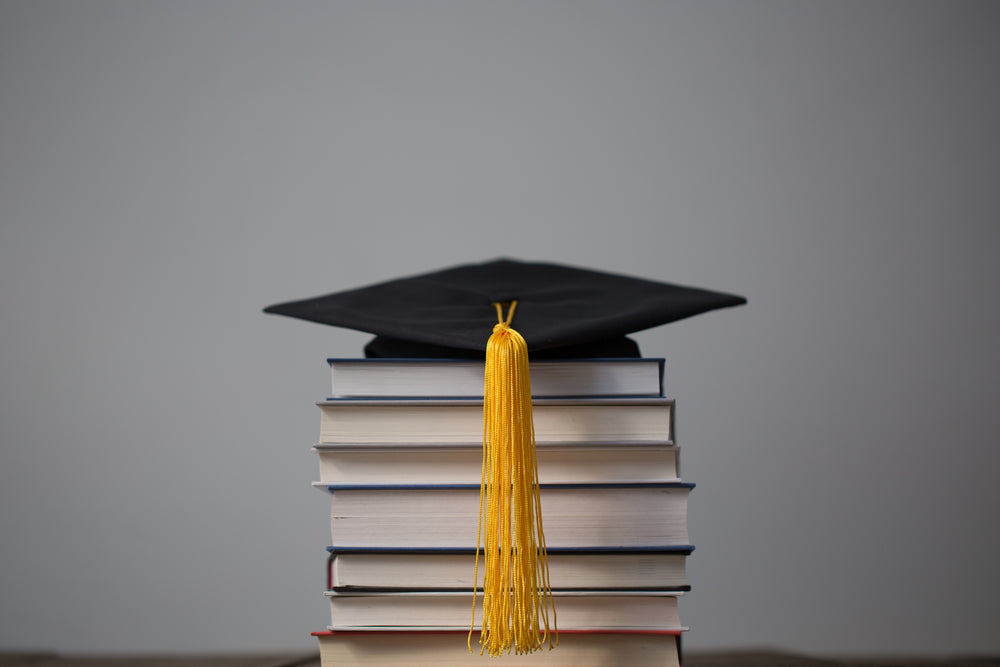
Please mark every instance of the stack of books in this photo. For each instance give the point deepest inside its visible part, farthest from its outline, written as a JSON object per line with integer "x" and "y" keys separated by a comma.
{"x": 400, "y": 453}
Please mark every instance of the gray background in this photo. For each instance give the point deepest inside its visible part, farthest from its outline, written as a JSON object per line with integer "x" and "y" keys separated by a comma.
{"x": 168, "y": 169}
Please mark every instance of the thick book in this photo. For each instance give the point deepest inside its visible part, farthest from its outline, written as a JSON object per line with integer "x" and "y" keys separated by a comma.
{"x": 569, "y": 569}
{"x": 451, "y": 649}
{"x": 462, "y": 463}
{"x": 451, "y": 421}
{"x": 590, "y": 610}
{"x": 445, "y": 378}
{"x": 447, "y": 516}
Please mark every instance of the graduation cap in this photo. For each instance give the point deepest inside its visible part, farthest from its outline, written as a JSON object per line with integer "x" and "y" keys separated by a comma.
{"x": 472, "y": 311}
{"x": 562, "y": 311}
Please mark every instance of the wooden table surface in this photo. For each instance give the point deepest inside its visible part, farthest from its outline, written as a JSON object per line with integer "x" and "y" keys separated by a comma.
{"x": 741, "y": 659}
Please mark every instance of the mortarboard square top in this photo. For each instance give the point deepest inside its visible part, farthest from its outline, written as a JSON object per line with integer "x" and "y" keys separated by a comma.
{"x": 562, "y": 311}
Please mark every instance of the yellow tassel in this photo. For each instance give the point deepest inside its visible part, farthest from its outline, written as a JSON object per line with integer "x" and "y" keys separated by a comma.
{"x": 517, "y": 598}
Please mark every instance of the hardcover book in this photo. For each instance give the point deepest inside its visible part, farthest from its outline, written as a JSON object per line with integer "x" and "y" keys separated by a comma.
{"x": 656, "y": 568}
{"x": 449, "y": 421}
{"x": 451, "y": 649}
{"x": 576, "y": 515}
{"x": 449, "y": 378}
{"x": 566, "y": 463}
{"x": 585, "y": 610}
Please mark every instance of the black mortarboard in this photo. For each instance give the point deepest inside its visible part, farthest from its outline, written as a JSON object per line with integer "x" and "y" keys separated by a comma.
{"x": 562, "y": 311}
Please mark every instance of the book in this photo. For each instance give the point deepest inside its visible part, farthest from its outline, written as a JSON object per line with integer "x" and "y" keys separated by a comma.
{"x": 446, "y": 378}
{"x": 449, "y": 421}
{"x": 446, "y": 516}
{"x": 462, "y": 463}
{"x": 591, "y": 610}
{"x": 569, "y": 569}
{"x": 451, "y": 649}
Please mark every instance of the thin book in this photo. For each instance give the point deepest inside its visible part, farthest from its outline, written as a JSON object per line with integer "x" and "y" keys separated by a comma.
{"x": 461, "y": 463}
{"x": 460, "y": 421}
{"x": 445, "y": 648}
{"x": 590, "y": 610}
{"x": 655, "y": 568}
{"x": 450, "y": 378}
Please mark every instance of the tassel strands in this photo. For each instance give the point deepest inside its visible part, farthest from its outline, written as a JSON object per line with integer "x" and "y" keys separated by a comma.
{"x": 517, "y": 598}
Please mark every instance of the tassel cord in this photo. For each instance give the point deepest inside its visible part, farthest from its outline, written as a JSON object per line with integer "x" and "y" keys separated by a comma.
{"x": 517, "y": 597}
